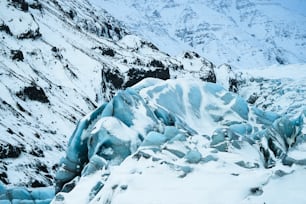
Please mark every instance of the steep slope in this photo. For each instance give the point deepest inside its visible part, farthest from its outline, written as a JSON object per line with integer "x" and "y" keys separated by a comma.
{"x": 58, "y": 61}
{"x": 49, "y": 80}
{"x": 241, "y": 32}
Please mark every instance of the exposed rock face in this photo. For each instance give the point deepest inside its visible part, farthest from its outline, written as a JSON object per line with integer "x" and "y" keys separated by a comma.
{"x": 33, "y": 93}
{"x": 9, "y": 151}
{"x": 188, "y": 65}
{"x": 17, "y": 55}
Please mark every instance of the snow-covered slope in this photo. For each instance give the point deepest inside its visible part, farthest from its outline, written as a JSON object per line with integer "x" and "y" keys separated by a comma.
{"x": 49, "y": 80}
{"x": 58, "y": 61}
{"x": 243, "y": 33}
{"x": 63, "y": 61}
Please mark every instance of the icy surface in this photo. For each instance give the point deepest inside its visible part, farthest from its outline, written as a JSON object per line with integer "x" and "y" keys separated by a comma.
{"x": 195, "y": 137}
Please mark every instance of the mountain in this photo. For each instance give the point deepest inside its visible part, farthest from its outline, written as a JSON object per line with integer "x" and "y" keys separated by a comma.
{"x": 242, "y": 33}
{"x": 59, "y": 61}
{"x": 90, "y": 112}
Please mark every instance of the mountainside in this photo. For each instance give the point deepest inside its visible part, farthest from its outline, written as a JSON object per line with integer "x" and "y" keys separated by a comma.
{"x": 59, "y": 60}
{"x": 240, "y": 32}
{"x": 90, "y": 113}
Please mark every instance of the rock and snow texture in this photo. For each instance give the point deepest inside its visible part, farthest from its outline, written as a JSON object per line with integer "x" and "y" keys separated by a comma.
{"x": 58, "y": 61}
{"x": 48, "y": 81}
{"x": 243, "y": 33}
{"x": 180, "y": 136}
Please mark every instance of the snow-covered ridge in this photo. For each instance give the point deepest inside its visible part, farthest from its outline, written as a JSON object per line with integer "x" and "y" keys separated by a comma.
{"x": 242, "y": 33}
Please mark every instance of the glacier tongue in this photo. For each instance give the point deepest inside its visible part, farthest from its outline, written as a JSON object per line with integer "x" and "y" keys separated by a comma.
{"x": 180, "y": 131}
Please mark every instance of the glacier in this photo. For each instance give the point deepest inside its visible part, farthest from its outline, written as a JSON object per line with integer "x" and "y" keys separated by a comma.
{"x": 174, "y": 141}
{"x": 180, "y": 132}
{"x": 157, "y": 116}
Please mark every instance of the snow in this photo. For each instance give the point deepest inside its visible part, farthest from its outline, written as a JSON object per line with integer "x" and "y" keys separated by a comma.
{"x": 175, "y": 141}
{"x": 241, "y": 33}
{"x": 18, "y": 26}
{"x": 291, "y": 71}
{"x": 278, "y": 88}
{"x": 190, "y": 150}
{"x": 85, "y": 186}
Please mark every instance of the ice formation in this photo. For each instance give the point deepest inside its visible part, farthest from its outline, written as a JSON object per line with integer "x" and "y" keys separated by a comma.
{"x": 156, "y": 113}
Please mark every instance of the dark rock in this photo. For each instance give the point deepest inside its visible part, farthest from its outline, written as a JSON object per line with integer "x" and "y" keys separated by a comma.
{"x": 141, "y": 154}
{"x": 36, "y": 5}
{"x": 42, "y": 168}
{"x": 156, "y": 63}
{"x": 20, "y": 108}
{"x": 209, "y": 77}
{"x": 253, "y": 98}
{"x": 9, "y": 130}
{"x": 20, "y": 4}
{"x": 233, "y": 85}
{"x": 187, "y": 55}
{"x": 191, "y": 55}
{"x": 54, "y": 49}
{"x": 138, "y": 62}
{"x": 17, "y": 55}
{"x": 30, "y": 34}
{"x": 9, "y": 151}
{"x": 3, "y": 178}
{"x": 88, "y": 101}
{"x": 71, "y": 14}
{"x": 37, "y": 135}
{"x": 37, "y": 184}
{"x": 114, "y": 77}
{"x": 6, "y": 29}
{"x": 34, "y": 93}
{"x": 136, "y": 75}
{"x": 256, "y": 191}
{"x": 152, "y": 46}
{"x": 37, "y": 152}
{"x": 279, "y": 60}
{"x": 109, "y": 52}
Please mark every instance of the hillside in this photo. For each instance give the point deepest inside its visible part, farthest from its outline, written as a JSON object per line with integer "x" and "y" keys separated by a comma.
{"x": 243, "y": 33}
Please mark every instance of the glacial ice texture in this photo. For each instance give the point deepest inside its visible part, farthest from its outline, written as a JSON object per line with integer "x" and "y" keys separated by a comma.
{"x": 155, "y": 116}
